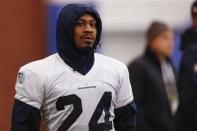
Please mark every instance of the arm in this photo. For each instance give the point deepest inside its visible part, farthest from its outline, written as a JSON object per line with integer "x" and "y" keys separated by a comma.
{"x": 184, "y": 41}
{"x": 125, "y": 118}
{"x": 187, "y": 85}
{"x": 28, "y": 101}
{"x": 138, "y": 80}
{"x": 125, "y": 111}
{"x": 25, "y": 117}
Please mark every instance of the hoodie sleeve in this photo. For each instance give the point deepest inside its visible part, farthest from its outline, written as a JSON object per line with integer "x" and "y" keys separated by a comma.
{"x": 25, "y": 117}
{"x": 125, "y": 118}
{"x": 28, "y": 101}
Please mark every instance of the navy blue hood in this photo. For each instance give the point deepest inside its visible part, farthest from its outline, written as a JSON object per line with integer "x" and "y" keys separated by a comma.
{"x": 79, "y": 60}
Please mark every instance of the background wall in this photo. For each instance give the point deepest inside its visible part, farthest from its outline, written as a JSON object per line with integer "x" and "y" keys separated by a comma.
{"x": 123, "y": 45}
{"x": 22, "y": 39}
{"x": 125, "y": 22}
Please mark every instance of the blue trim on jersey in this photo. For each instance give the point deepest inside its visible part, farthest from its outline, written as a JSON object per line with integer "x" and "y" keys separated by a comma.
{"x": 125, "y": 118}
{"x": 25, "y": 117}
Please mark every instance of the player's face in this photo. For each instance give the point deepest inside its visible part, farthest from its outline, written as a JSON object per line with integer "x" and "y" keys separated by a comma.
{"x": 163, "y": 44}
{"x": 85, "y": 32}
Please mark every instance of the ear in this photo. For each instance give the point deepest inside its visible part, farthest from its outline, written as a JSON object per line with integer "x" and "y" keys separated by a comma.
{"x": 152, "y": 44}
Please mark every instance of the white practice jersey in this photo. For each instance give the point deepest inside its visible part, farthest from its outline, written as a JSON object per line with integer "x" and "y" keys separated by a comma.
{"x": 70, "y": 101}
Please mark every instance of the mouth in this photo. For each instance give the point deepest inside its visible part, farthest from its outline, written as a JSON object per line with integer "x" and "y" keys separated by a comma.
{"x": 87, "y": 39}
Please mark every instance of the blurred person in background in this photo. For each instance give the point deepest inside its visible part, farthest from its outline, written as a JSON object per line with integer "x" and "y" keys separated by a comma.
{"x": 153, "y": 81}
{"x": 186, "y": 118}
{"x": 75, "y": 89}
{"x": 188, "y": 37}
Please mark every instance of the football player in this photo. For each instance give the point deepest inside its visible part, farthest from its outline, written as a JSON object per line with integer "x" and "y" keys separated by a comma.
{"x": 75, "y": 89}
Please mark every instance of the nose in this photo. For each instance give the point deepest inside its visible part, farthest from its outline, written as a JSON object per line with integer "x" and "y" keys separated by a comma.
{"x": 88, "y": 28}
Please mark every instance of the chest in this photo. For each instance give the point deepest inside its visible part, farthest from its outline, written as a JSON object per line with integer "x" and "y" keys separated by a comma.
{"x": 86, "y": 98}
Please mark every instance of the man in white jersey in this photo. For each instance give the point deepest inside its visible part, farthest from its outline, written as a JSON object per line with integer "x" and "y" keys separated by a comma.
{"x": 75, "y": 89}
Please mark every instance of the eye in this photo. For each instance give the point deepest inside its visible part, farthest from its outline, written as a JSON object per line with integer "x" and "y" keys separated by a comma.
{"x": 93, "y": 24}
{"x": 80, "y": 23}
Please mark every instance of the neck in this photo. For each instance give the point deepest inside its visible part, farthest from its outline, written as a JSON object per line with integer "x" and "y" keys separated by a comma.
{"x": 161, "y": 58}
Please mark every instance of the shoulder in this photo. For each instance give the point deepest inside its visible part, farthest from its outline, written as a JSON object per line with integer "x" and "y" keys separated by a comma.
{"x": 33, "y": 80}
{"x": 40, "y": 67}
{"x": 190, "y": 53}
{"x": 111, "y": 67}
{"x": 109, "y": 63}
{"x": 138, "y": 62}
{"x": 144, "y": 65}
{"x": 187, "y": 32}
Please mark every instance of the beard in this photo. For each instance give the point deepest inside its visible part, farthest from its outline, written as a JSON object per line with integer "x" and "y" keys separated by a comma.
{"x": 85, "y": 50}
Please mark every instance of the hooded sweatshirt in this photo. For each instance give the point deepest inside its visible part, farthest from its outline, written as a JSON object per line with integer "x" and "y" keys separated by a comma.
{"x": 79, "y": 60}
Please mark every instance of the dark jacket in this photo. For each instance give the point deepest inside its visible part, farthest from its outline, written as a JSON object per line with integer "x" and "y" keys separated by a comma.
{"x": 186, "y": 117}
{"x": 189, "y": 37}
{"x": 154, "y": 112}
